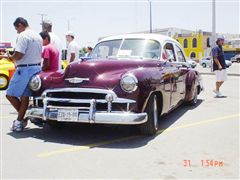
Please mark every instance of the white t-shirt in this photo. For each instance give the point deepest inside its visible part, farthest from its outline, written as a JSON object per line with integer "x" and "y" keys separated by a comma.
{"x": 56, "y": 42}
{"x": 29, "y": 43}
{"x": 73, "y": 48}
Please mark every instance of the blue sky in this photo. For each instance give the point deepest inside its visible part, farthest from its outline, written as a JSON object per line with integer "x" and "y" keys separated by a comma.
{"x": 93, "y": 19}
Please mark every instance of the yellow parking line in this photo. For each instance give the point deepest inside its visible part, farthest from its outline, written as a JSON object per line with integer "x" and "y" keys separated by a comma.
{"x": 89, "y": 146}
{"x": 199, "y": 123}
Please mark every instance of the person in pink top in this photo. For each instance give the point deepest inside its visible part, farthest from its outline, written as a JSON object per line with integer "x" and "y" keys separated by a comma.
{"x": 50, "y": 54}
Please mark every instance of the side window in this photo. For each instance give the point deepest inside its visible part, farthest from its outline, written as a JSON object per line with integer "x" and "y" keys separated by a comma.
{"x": 168, "y": 52}
{"x": 180, "y": 55}
{"x": 194, "y": 43}
{"x": 185, "y": 43}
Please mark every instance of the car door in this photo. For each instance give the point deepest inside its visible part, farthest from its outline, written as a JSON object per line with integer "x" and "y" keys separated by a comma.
{"x": 182, "y": 69}
{"x": 179, "y": 67}
{"x": 172, "y": 72}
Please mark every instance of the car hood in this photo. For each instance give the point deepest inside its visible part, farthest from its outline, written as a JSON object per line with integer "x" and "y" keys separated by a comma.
{"x": 95, "y": 73}
{"x": 98, "y": 67}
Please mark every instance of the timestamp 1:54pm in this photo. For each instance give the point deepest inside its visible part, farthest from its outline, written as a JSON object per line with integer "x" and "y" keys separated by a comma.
{"x": 204, "y": 163}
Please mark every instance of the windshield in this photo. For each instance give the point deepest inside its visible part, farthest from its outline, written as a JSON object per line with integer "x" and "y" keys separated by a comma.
{"x": 129, "y": 48}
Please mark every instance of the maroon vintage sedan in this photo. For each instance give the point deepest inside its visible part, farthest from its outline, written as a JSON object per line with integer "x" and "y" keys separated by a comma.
{"x": 129, "y": 79}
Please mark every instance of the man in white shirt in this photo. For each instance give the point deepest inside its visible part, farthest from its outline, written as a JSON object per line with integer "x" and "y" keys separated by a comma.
{"x": 55, "y": 40}
{"x": 72, "y": 47}
{"x": 27, "y": 58}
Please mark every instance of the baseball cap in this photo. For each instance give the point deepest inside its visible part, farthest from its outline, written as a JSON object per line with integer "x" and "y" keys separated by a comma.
{"x": 69, "y": 33}
{"x": 47, "y": 22}
{"x": 220, "y": 37}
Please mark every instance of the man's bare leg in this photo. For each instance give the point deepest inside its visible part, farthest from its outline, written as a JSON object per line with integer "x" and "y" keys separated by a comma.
{"x": 218, "y": 85}
{"x": 20, "y": 105}
{"x": 15, "y": 102}
{"x": 23, "y": 107}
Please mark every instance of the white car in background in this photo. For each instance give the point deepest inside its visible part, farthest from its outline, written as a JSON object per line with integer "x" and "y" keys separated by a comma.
{"x": 236, "y": 58}
{"x": 191, "y": 63}
{"x": 207, "y": 62}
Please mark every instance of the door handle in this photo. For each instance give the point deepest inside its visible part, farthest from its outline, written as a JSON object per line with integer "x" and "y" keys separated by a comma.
{"x": 179, "y": 66}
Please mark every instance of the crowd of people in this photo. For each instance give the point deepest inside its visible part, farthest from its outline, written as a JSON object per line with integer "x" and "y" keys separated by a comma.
{"x": 34, "y": 52}
{"x": 52, "y": 48}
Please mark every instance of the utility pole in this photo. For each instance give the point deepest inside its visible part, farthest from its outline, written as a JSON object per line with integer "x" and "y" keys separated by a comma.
{"x": 68, "y": 22}
{"x": 42, "y": 17}
{"x": 213, "y": 22}
{"x": 150, "y": 15}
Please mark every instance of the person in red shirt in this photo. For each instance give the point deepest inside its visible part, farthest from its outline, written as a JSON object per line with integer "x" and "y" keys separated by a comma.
{"x": 50, "y": 54}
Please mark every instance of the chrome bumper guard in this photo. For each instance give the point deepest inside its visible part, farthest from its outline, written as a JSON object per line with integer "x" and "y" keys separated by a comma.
{"x": 88, "y": 114}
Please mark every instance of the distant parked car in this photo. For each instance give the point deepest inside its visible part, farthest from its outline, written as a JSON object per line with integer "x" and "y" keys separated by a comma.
{"x": 191, "y": 63}
{"x": 236, "y": 58}
{"x": 206, "y": 62}
{"x": 7, "y": 69}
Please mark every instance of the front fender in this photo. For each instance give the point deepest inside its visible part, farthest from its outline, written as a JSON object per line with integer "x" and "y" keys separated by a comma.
{"x": 5, "y": 72}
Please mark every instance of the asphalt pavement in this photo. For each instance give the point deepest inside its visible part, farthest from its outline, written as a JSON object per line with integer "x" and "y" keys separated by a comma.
{"x": 193, "y": 142}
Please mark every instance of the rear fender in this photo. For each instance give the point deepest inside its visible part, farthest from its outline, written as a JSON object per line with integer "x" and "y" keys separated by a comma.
{"x": 191, "y": 79}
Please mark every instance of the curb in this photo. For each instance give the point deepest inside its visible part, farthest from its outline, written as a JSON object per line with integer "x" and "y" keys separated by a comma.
{"x": 229, "y": 74}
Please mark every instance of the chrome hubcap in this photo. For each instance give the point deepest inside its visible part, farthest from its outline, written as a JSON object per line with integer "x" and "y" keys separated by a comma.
{"x": 195, "y": 95}
{"x": 155, "y": 115}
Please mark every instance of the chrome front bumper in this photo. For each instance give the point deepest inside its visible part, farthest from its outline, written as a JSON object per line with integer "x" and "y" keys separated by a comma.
{"x": 88, "y": 114}
{"x": 98, "y": 117}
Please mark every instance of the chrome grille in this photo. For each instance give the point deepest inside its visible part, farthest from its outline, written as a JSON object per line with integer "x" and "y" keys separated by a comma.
{"x": 81, "y": 98}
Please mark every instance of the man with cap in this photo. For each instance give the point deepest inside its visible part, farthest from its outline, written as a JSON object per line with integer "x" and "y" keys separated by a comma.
{"x": 72, "y": 47}
{"x": 219, "y": 65}
{"x": 55, "y": 40}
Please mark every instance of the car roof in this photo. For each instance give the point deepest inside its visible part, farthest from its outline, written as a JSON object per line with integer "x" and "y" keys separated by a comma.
{"x": 158, "y": 37}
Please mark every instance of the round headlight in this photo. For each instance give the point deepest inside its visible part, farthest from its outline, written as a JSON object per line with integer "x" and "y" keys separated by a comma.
{"x": 35, "y": 83}
{"x": 129, "y": 83}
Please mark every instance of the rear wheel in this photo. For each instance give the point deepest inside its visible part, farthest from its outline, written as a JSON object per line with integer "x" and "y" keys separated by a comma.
{"x": 3, "y": 82}
{"x": 195, "y": 94}
{"x": 151, "y": 126}
{"x": 204, "y": 65}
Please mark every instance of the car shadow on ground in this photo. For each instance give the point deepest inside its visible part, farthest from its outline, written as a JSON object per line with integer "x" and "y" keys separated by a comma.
{"x": 108, "y": 136}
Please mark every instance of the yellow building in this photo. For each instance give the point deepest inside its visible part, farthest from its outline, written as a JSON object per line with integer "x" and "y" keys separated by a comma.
{"x": 196, "y": 45}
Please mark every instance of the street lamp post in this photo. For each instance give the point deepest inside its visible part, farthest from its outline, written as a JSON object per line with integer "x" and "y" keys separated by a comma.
{"x": 213, "y": 22}
{"x": 42, "y": 15}
{"x": 150, "y": 15}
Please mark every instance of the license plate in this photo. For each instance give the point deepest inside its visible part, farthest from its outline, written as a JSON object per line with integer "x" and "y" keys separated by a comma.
{"x": 67, "y": 115}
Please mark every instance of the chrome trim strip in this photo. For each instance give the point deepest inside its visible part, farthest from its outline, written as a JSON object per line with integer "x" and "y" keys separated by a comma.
{"x": 118, "y": 100}
{"x": 67, "y": 107}
{"x": 87, "y": 90}
{"x": 76, "y": 80}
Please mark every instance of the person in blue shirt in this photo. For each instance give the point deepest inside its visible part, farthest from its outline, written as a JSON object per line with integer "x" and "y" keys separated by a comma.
{"x": 219, "y": 65}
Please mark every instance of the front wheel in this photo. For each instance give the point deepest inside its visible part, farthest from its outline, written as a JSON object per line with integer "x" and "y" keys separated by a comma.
{"x": 204, "y": 65}
{"x": 151, "y": 126}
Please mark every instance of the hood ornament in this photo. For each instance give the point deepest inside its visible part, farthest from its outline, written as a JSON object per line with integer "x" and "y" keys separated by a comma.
{"x": 76, "y": 80}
